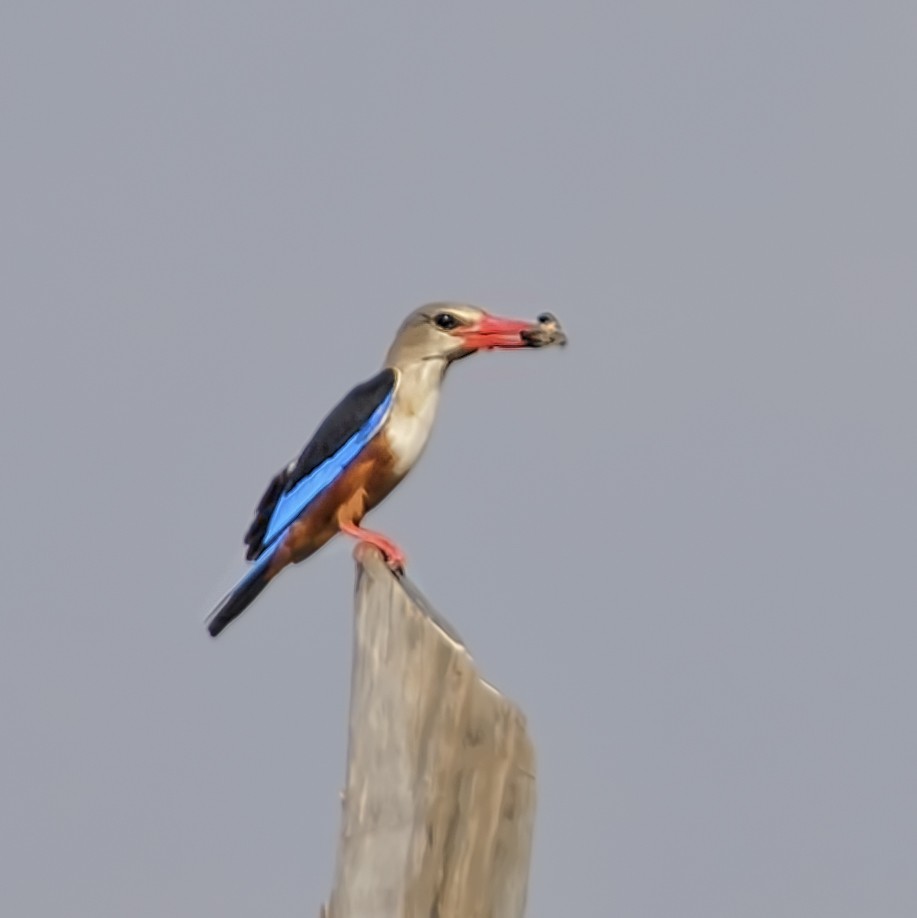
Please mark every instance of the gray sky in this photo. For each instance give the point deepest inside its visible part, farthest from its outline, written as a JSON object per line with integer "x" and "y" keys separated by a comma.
{"x": 685, "y": 545}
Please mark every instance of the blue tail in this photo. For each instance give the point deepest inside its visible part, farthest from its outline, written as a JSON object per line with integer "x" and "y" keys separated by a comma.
{"x": 241, "y": 596}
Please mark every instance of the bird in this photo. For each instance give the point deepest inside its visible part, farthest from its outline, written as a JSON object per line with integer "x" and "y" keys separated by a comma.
{"x": 365, "y": 447}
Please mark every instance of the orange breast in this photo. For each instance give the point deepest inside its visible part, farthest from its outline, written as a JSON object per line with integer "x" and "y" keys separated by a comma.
{"x": 368, "y": 479}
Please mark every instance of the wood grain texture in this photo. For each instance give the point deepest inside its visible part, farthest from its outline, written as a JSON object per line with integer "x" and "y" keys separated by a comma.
{"x": 439, "y": 807}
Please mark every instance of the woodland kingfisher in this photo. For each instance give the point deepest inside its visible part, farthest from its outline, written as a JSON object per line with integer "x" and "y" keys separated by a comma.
{"x": 367, "y": 444}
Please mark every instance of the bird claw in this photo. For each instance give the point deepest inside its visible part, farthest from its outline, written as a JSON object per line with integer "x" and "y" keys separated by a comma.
{"x": 395, "y": 563}
{"x": 391, "y": 553}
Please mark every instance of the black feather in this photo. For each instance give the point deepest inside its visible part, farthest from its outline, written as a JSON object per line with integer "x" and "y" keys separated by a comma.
{"x": 350, "y": 414}
{"x": 239, "y": 598}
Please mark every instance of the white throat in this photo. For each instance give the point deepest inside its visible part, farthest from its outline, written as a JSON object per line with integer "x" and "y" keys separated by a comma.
{"x": 413, "y": 410}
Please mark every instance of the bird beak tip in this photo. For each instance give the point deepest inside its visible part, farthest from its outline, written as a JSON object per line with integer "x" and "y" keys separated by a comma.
{"x": 497, "y": 332}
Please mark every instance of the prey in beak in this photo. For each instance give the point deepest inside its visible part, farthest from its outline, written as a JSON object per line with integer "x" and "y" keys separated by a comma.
{"x": 546, "y": 333}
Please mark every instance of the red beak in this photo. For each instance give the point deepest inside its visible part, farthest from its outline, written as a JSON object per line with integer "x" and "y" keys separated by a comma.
{"x": 494, "y": 331}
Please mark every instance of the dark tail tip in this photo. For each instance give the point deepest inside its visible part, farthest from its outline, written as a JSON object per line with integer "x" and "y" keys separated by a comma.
{"x": 242, "y": 595}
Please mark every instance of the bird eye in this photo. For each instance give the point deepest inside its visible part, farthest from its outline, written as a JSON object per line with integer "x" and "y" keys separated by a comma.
{"x": 445, "y": 320}
{"x": 545, "y": 318}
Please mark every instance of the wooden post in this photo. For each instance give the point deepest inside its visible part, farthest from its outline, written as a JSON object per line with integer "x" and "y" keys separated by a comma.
{"x": 439, "y": 805}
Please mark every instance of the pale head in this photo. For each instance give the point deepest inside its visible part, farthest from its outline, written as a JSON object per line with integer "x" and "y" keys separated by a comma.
{"x": 450, "y": 331}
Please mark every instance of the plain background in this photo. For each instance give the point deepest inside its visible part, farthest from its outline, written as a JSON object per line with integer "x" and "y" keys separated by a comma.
{"x": 685, "y": 545}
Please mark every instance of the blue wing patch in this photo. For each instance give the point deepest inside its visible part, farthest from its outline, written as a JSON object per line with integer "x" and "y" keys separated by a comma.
{"x": 293, "y": 502}
{"x": 353, "y": 422}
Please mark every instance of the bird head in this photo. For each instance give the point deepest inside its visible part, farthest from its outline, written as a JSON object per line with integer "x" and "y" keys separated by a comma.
{"x": 450, "y": 331}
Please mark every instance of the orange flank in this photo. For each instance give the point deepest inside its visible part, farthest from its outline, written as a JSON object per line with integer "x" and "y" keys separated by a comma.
{"x": 341, "y": 507}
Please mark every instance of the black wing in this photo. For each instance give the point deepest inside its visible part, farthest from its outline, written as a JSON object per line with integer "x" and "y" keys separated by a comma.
{"x": 346, "y": 422}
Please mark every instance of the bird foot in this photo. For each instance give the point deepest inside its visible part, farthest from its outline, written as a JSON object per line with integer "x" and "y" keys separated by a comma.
{"x": 394, "y": 556}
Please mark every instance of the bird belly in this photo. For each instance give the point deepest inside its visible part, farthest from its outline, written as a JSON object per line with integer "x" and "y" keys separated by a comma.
{"x": 359, "y": 488}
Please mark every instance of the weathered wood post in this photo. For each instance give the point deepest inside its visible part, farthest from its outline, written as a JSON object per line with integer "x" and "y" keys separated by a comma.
{"x": 439, "y": 806}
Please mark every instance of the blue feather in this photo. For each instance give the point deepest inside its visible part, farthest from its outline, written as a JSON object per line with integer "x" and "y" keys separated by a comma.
{"x": 237, "y": 600}
{"x": 297, "y": 499}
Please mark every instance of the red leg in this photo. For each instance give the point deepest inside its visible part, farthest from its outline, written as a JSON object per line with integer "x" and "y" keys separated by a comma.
{"x": 394, "y": 556}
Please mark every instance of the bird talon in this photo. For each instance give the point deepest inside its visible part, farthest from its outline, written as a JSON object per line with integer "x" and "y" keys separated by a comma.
{"x": 395, "y": 563}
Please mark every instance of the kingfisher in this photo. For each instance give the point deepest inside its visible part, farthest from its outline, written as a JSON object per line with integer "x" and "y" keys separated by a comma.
{"x": 367, "y": 444}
